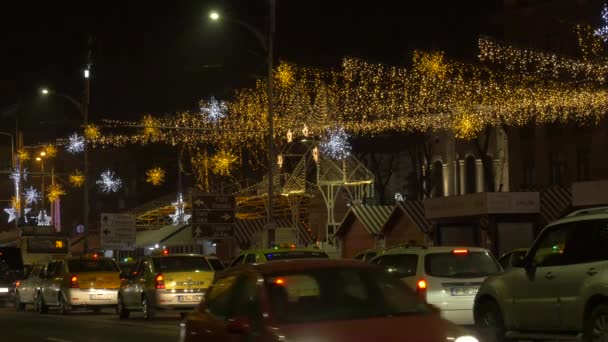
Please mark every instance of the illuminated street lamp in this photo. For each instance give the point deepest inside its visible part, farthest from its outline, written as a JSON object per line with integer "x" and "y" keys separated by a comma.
{"x": 214, "y": 16}
{"x": 44, "y": 91}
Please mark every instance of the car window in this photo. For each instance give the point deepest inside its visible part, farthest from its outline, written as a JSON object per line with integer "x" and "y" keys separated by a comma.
{"x": 549, "y": 249}
{"x": 92, "y": 265}
{"x": 181, "y": 263}
{"x": 505, "y": 261}
{"x": 237, "y": 261}
{"x": 460, "y": 264}
{"x": 216, "y": 264}
{"x": 587, "y": 243}
{"x": 339, "y": 294}
{"x": 369, "y": 256}
{"x": 218, "y": 301}
{"x": 401, "y": 265}
{"x": 250, "y": 259}
{"x": 247, "y": 302}
{"x": 50, "y": 269}
{"x": 287, "y": 255}
{"x": 58, "y": 269}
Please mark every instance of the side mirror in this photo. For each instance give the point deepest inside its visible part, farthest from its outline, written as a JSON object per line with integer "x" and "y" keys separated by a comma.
{"x": 239, "y": 325}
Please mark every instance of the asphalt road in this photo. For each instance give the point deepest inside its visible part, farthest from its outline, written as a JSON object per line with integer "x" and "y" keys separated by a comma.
{"x": 85, "y": 327}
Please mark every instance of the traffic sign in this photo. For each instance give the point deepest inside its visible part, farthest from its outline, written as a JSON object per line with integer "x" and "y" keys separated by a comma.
{"x": 213, "y": 216}
{"x": 117, "y": 231}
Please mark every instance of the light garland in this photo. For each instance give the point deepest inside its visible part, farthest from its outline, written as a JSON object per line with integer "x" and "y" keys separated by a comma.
{"x": 54, "y": 192}
{"x": 155, "y": 176}
{"x": 76, "y": 179}
{"x": 75, "y": 143}
{"x": 108, "y": 182}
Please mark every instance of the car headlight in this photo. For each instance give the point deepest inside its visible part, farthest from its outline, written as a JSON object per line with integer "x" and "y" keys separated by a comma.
{"x": 466, "y": 339}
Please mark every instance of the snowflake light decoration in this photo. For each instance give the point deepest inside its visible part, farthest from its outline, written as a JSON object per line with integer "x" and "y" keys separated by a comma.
{"x": 77, "y": 179}
{"x": 16, "y": 175}
{"x": 108, "y": 182}
{"x": 75, "y": 144}
{"x": 214, "y": 110}
{"x": 31, "y": 195}
{"x": 336, "y": 146}
{"x": 54, "y": 191}
{"x": 180, "y": 217}
{"x": 602, "y": 32}
{"x": 155, "y": 176}
{"x": 43, "y": 218}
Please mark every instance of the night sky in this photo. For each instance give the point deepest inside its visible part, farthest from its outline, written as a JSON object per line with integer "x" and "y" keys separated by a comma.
{"x": 162, "y": 57}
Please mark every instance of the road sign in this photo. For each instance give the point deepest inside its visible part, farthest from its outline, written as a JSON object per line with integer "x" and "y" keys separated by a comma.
{"x": 117, "y": 231}
{"x": 213, "y": 216}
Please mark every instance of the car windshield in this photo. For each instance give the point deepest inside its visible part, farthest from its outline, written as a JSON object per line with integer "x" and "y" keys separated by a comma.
{"x": 285, "y": 255}
{"x": 181, "y": 264}
{"x": 340, "y": 294}
{"x": 216, "y": 264}
{"x": 402, "y": 265}
{"x": 92, "y": 265}
{"x": 460, "y": 265}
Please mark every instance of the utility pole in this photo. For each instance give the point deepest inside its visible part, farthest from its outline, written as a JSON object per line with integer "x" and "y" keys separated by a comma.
{"x": 85, "y": 113}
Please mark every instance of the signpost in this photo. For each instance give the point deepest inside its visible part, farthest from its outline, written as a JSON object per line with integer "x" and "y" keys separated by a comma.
{"x": 213, "y": 216}
{"x": 117, "y": 231}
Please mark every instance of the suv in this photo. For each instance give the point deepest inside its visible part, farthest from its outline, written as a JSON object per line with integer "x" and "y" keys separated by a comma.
{"x": 281, "y": 252}
{"x": 560, "y": 289}
{"x": 447, "y": 277}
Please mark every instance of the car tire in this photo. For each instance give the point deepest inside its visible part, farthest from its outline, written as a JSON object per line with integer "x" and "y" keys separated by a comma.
{"x": 41, "y": 308}
{"x": 63, "y": 307}
{"x": 18, "y": 305}
{"x": 489, "y": 322}
{"x": 122, "y": 312}
{"x": 596, "y": 324}
{"x": 147, "y": 308}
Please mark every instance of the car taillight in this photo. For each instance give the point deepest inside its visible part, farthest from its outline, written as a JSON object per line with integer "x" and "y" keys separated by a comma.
{"x": 421, "y": 286}
{"x": 460, "y": 251}
{"x": 74, "y": 282}
{"x": 159, "y": 281}
{"x": 17, "y": 284}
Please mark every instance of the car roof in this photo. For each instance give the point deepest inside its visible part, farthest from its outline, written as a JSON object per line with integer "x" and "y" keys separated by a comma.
{"x": 275, "y": 250}
{"x": 429, "y": 250}
{"x": 583, "y": 215}
{"x": 177, "y": 254}
{"x": 302, "y": 265}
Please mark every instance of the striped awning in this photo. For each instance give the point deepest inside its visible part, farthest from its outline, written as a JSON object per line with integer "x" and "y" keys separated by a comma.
{"x": 373, "y": 217}
{"x": 244, "y": 229}
{"x": 555, "y": 202}
{"x": 415, "y": 211}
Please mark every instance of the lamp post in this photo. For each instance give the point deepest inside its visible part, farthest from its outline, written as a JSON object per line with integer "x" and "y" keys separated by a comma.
{"x": 267, "y": 44}
{"x": 41, "y": 160}
{"x": 83, "y": 108}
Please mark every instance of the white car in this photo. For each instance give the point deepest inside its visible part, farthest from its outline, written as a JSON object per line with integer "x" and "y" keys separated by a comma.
{"x": 447, "y": 277}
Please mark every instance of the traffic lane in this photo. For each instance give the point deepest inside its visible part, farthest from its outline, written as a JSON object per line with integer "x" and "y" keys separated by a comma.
{"x": 86, "y": 327}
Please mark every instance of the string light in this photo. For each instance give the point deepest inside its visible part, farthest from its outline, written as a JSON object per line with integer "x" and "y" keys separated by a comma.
{"x": 179, "y": 217}
{"x": 76, "y": 179}
{"x": 75, "y": 143}
{"x": 54, "y": 191}
{"x": 151, "y": 130}
{"x": 108, "y": 182}
{"x": 336, "y": 146}
{"x": 31, "y": 195}
{"x": 155, "y": 176}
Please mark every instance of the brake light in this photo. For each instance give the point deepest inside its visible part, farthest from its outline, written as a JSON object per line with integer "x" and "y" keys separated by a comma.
{"x": 17, "y": 284}
{"x": 165, "y": 252}
{"x": 74, "y": 282}
{"x": 292, "y": 246}
{"x": 421, "y": 286}
{"x": 279, "y": 281}
{"x": 460, "y": 251}
{"x": 159, "y": 282}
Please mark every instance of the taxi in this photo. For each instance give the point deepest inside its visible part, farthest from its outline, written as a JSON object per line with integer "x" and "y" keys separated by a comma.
{"x": 164, "y": 282}
{"x": 278, "y": 252}
{"x": 90, "y": 282}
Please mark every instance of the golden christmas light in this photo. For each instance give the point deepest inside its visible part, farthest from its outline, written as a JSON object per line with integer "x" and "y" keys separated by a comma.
{"x": 77, "y": 179}
{"x": 155, "y": 176}
{"x": 92, "y": 132}
{"x": 54, "y": 191}
{"x": 23, "y": 155}
{"x": 223, "y": 162}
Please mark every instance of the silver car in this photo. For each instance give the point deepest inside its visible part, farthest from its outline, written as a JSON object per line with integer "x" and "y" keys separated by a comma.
{"x": 447, "y": 277}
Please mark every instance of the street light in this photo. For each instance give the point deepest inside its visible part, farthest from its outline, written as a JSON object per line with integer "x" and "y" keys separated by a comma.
{"x": 267, "y": 46}
{"x": 44, "y": 91}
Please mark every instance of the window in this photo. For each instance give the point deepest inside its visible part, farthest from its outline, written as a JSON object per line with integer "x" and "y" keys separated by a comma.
{"x": 505, "y": 261}
{"x": 583, "y": 164}
{"x": 92, "y": 265}
{"x": 216, "y": 264}
{"x": 437, "y": 174}
{"x": 550, "y": 248}
{"x": 181, "y": 264}
{"x": 250, "y": 259}
{"x": 369, "y": 256}
{"x": 58, "y": 269}
{"x": 471, "y": 175}
{"x": 402, "y": 265}
{"x": 588, "y": 242}
{"x": 556, "y": 167}
{"x": 237, "y": 261}
{"x": 296, "y": 255}
{"x": 465, "y": 265}
{"x": 218, "y": 300}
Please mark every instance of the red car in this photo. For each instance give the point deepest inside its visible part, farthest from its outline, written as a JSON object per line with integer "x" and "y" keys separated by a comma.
{"x": 315, "y": 300}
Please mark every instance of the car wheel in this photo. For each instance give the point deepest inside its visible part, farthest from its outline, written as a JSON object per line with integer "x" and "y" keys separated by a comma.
{"x": 40, "y": 306}
{"x": 18, "y": 305}
{"x": 147, "y": 309}
{"x": 489, "y": 322}
{"x": 596, "y": 325}
{"x": 62, "y": 308}
{"x": 122, "y": 312}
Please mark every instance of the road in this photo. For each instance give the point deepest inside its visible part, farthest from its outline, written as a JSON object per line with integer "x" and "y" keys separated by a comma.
{"x": 85, "y": 327}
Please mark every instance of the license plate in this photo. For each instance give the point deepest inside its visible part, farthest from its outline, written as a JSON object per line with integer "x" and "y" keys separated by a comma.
{"x": 100, "y": 297}
{"x": 189, "y": 298}
{"x": 463, "y": 291}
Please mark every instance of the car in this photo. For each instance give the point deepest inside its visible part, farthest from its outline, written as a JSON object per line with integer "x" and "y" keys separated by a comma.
{"x": 447, "y": 277}
{"x": 559, "y": 290}
{"x": 127, "y": 265}
{"x": 11, "y": 270}
{"x": 315, "y": 300}
{"x": 279, "y": 252}
{"x": 85, "y": 282}
{"x": 215, "y": 263}
{"x": 165, "y": 282}
{"x": 27, "y": 288}
{"x": 367, "y": 254}
{"x": 513, "y": 257}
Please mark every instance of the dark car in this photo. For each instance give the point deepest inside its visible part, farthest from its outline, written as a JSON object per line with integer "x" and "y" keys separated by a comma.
{"x": 11, "y": 271}
{"x": 315, "y": 300}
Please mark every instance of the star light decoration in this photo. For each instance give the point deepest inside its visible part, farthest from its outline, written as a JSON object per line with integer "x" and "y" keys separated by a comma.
{"x": 77, "y": 179}
{"x": 602, "y": 32}
{"x": 109, "y": 182}
{"x": 180, "y": 217}
{"x": 31, "y": 195}
{"x": 13, "y": 213}
{"x": 155, "y": 176}
{"x": 213, "y": 109}
{"x": 75, "y": 143}
{"x": 336, "y": 146}
{"x": 43, "y": 218}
